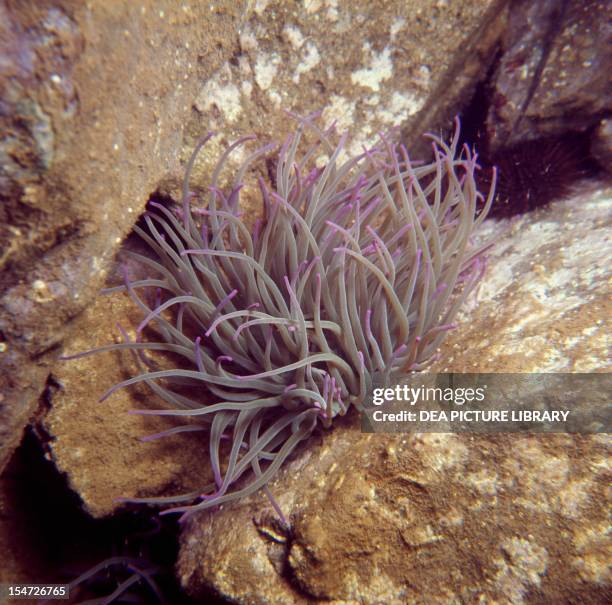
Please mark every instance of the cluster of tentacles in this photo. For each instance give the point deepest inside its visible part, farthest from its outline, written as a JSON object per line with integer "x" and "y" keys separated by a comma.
{"x": 350, "y": 280}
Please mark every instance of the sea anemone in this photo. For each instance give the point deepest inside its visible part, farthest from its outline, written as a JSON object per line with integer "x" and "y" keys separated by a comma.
{"x": 350, "y": 280}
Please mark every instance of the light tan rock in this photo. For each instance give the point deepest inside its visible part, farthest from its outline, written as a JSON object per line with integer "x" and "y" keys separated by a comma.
{"x": 545, "y": 303}
{"x": 369, "y": 67}
{"x": 431, "y": 518}
{"x": 99, "y": 445}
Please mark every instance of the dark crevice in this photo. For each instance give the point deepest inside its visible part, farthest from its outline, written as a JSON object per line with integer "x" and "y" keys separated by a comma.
{"x": 56, "y": 540}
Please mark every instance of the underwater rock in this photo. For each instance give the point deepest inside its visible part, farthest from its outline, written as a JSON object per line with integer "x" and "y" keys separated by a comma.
{"x": 369, "y": 66}
{"x": 553, "y": 74}
{"x": 94, "y": 97}
{"x": 544, "y": 304}
{"x": 601, "y": 145}
{"x": 99, "y": 445}
{"x": 390, "y": 518}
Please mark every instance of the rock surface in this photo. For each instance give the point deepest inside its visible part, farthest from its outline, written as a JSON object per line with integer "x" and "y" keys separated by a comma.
{"x": 94, "y": 97}
{"x": 449, "y": 518}
{"x": 553, "y": 74}
{"x": 431, "y": 518}
{"x": 99, "y": 445}
{"x": 544, "y": 304}
{"x": 368, "y": 66}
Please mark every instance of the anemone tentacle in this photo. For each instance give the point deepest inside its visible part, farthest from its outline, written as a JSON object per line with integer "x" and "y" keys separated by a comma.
{"x": 352, "y": 279}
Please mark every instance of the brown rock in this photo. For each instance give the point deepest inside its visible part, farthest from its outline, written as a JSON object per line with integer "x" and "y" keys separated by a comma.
{"x": 368, "y": 66}
{"x": 601, "y": 146}
{"x": 434, "y": 518}
{"x": 94, "y": 96}
{"x": 553, "y": 74}
{"x": 99, "y": 444}
{"x": 444, "y": 518}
